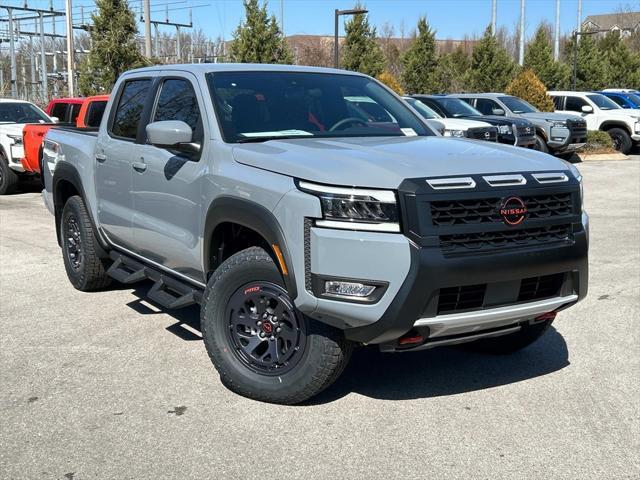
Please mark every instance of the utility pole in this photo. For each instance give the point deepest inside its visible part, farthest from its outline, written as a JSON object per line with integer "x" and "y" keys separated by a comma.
{"x": 12, "y": 54}
{"x": 43, "y": 61}
{"x": 70, "y": 51}
{"x": 32, "y": 57}
{"x": 494, "y": 16}
{"x": 579, "y": 21}
{"x": 521, "y": 57}
{"x": 282, "y": 17}
{"x": 56, "y": 91}
{"x": 556, "y": 42}
{"x": 156, "y": 23}
{"x": 147, "y": 28}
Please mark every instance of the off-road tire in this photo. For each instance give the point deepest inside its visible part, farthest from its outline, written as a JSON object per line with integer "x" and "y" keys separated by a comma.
{"x": 541, "y": 144}
{"x": 621, "y": 140}
{"x": 511, "y": 343}
{"x": 91, "y": 271}
{"x": 323, "y": 356}
{"x": 8, "y": 178}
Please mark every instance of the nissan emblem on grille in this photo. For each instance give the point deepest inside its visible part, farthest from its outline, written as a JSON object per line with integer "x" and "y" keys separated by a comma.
{"x": 487, "y": 134}
{"x": 513, "y": 210}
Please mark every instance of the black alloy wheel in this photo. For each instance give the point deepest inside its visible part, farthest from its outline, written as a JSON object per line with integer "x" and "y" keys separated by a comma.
{"x": 73, "y": 242}
{"x": 265, "y": 330}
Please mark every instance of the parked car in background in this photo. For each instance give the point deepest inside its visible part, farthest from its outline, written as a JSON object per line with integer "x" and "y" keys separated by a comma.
{"x": 602, "y": 113}
{"x": 628, "y": 99}
{"x": 14, "y": 115}
{"x": 89, "y": 116}
{"x": 65, "y": 110}
{"x": 233, "y": 186}
{"x": 556, "y": 133}
{"x": 514, "y": 131}
{"x": 456, "y": 127}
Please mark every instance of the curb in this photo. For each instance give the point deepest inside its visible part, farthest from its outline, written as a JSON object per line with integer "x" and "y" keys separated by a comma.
{"x": 586, "y": 157}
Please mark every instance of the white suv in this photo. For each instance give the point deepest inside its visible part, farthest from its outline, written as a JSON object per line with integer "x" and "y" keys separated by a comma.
{"x": 601, "y": 113}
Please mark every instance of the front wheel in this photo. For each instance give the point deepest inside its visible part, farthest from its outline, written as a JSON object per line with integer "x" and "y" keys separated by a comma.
{"x": 8, "y": 178}
{"x": 621, "y": 140}
{"x": 540, "y": 144}
{"x": 511, "y": 343}
{"x": 261, "y": 345}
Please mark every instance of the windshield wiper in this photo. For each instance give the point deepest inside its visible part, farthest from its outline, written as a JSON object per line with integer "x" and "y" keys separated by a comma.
{"x": 266, "y": 138}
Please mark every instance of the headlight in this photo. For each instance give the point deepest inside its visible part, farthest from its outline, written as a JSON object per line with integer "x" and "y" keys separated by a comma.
{"x": 453, "y": 133}
{"x": 355, "y": 208}
{"x": 557, "y": 123}
{"x": 17, "y": 139}
{"x": 504, "y": 129}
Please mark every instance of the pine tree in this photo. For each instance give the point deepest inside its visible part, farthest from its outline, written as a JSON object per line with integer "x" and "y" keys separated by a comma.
{"x": 361, "y": 52}
{"x": 420, "y": 74}
{"x": 491, "y": 66}
{"x": 114, "y": 49}
{"x": 452, "y": 70}
{"x": 258, "y": 39}
{"x": 528, "y": 86}
{"x": 539, "y": 58}
{"x": 624, "y": 66}
{"x": 592, "y": 65}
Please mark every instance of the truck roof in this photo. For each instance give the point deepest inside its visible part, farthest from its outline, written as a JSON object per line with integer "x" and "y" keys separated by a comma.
{"x": 242, "y": 67}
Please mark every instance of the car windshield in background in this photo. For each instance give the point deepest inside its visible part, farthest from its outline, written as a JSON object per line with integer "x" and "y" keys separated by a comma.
{"x": 454, "y": 107}
{"x": 422, "y": 109}
{"x": 256, "y": 106}
{"x": 21, "y": 112}
{"x": 634, "y": 98}
{"x": 517, "y": 105}
{"x": 603, "y": 102}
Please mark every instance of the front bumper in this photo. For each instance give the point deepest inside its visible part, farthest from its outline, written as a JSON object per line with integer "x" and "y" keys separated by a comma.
{"x": 16, "y": 153}
{"x": 567, "y": 139}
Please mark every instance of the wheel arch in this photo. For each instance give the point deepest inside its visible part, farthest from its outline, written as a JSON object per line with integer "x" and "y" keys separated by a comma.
{"x": 609, "y": 124}
{"x": 229, "y": 212}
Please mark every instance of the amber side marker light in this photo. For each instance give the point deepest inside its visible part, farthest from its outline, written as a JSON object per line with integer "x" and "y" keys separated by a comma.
{"x": 546, "y": 316}
{"x": 280, "y": 257}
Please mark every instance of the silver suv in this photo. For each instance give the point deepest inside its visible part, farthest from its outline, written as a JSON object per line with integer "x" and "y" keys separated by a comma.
{"x": 308, "y": 211}
{"x": 557, "y": 133}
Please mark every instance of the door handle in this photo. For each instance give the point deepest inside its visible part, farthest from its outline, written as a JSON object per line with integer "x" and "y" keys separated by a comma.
{"x": 100, "y": 157}
{"x": 139, "y": 166}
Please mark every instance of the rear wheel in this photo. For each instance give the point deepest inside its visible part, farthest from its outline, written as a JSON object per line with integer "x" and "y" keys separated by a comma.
{"x": 511, "y": 343}
{"x": 540, "y": 144}
{"x": 8, "y": 178}
{"x": 261, "y": 345}
{"x": 85, "y": 269}
{"x": 621, "y": 140}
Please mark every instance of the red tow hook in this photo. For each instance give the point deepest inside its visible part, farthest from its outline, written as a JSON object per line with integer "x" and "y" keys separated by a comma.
{"x": 411, "y": 339}
{"x": 546, "y": 317}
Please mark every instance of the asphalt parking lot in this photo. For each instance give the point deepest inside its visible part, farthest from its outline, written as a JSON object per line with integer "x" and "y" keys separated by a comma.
{"x": 105, "y": 386}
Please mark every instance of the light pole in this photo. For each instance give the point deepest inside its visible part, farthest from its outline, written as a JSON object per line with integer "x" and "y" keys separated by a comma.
{"x": 355, "y": 11}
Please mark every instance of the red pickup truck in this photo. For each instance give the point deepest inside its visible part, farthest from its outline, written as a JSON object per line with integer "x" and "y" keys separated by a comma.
{"x": 81, "y": 112}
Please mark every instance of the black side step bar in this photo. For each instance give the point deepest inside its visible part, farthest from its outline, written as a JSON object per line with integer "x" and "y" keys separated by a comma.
{"x": 167, "y": 291}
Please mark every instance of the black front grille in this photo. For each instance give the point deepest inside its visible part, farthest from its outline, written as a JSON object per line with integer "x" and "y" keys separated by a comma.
{"x": 540, "y": 287}
{"x": 461, "y": 298}
{"x": 526, "y": 131}
{"x": 473, "y": 242}
{"x": 577, "y": 126}
{"x": 483, "y": 133}
{"x": 485, "y": 210}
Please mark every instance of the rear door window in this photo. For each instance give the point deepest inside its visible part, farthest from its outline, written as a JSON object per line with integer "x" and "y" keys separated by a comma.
{"x": 74, "y": 110}
{"x": 129, "y": 110}
{"x": 575, "y": 104}
{"x": 486, "y": 106}
{"x": 59, "y": 110}
{"x": 557, "y": 101}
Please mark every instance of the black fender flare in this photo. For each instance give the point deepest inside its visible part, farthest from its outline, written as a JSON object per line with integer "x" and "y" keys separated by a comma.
{"x": 251, "y": 215}
{"x": 609, "y": 124}
{"x": 68, "y": 173}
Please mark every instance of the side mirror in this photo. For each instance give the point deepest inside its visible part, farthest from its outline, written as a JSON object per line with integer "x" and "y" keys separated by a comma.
{"x": 55, "y": 119}
{"x": 587, "y": 109}
{"x": 172, "y": 134}
{"x": 498, "y": 111}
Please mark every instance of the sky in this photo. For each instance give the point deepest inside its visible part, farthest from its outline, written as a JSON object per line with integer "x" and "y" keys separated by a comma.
{"x": 450, "y": 18}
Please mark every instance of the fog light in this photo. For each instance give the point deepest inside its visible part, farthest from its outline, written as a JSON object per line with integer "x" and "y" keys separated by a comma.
{"x": 348, "y": 289}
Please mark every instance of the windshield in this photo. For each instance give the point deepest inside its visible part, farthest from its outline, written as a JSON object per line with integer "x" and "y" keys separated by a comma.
{"x": 454, "y": 107}
{"x": 602, "y": 102}
{"x": 517, "y": 105}
{"x": 21, "y": 112}
{"x": 259, "y": 106}
{"x": 422, "y": 109}
{"x": 634, "y": 98}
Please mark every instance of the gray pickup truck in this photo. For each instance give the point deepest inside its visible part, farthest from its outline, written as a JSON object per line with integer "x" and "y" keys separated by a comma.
{"x": 304, "y": 225}
{"x": 557, "y": 133}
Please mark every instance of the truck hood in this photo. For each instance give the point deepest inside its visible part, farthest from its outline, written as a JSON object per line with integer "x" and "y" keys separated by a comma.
{"x": 11, "y": 128}
{"x": 462, "y": 123}
{"x": 386, "y": 162}
{"x": 502, "y": 120}
{"x": 622, "y": 113}
{"x": 541, "y": 116}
